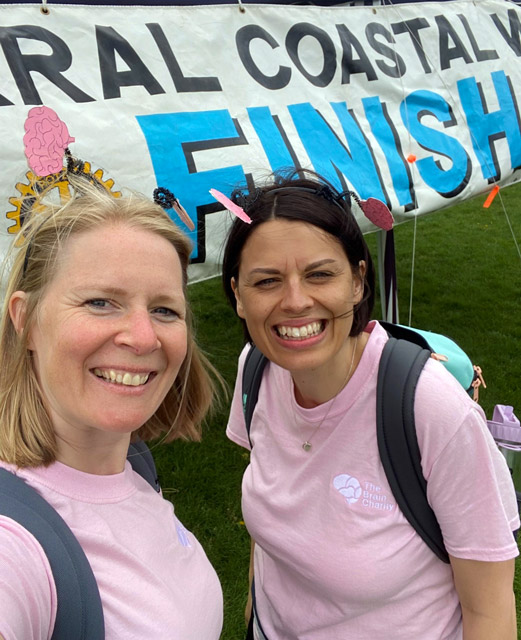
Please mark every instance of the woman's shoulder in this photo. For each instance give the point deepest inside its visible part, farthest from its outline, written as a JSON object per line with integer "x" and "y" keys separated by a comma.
{"x": 27, "y": 588}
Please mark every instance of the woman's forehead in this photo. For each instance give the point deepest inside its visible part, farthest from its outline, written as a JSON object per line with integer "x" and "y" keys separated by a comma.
{"x": 280, "y": 239}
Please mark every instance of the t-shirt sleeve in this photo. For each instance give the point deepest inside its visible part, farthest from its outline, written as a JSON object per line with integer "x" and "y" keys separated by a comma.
{"x": 27, "y": 589}
{"x": 236, "y": 428}
{"x": 469, "y": 485}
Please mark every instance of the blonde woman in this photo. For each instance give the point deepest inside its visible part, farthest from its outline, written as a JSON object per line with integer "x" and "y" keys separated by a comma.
{"x": 97, "y": 348}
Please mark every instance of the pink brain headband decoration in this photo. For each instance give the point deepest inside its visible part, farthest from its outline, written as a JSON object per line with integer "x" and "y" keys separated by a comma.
{"x": 45, "y": 141}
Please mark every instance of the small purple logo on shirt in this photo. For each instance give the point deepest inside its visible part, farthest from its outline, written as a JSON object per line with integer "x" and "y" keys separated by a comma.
{"x": 348, "y": 486}
{"x": 182, "y": 534}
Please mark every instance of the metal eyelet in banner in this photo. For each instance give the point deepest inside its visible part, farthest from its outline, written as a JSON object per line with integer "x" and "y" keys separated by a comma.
{"x": 44, "y": 8}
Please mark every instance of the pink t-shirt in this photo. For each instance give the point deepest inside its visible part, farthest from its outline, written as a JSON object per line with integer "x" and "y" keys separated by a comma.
{"x": 335, "y": 558}
{"x": 153, "y": 576}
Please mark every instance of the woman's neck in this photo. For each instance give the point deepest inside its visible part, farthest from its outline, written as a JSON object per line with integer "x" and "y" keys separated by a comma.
{"x": 314, "y": 387}
{"x": 98, "y": 456}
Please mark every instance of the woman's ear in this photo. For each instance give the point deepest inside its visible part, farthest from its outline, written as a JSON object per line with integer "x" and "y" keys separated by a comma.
{"x": 235, "y": 289}
{"x": 359, "y": 281}
{"x": 18, "y": 310}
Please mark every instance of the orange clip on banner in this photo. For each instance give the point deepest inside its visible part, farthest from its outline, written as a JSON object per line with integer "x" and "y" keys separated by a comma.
{"x": 490, "y": 197}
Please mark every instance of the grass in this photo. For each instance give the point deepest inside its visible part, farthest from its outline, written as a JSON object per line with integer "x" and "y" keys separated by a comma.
{"x": 467, "y": 284}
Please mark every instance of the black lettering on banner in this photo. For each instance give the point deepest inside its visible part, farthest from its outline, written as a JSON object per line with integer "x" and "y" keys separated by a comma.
{"x": 512, "y": 38}
{"x": 109, "y": 42}
{"x": 481, "y": 54}
{"x": 243, "y": 39}
{"x": 448, "y": 53}
{"x": 50, "y": 66}
{"x": 181, "y": 82}
{"x": 412, "y": 28}
{"x": 189, "y": 149}
{"x": 350, "y": 65}
{"x": 294, "y": 38}
{"x": 395, "y": 70}
{"x": 4, "y": 102}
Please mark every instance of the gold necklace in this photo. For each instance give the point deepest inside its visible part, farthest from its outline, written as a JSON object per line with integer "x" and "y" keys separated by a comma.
{"x": 307, "y": 444}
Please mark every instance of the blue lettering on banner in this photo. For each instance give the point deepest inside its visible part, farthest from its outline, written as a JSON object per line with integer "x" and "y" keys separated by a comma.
{"x": 487, "y": 127}
{"x": 172, "y": 139}
{"x": 387, "y": 137}
{"x": 357, "y": 162}
{"x": 447, "y": 182}
{"x": 273, "y": 138}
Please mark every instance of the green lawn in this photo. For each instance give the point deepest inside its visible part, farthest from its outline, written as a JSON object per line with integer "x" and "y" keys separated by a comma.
{"x": 467, "y": 285}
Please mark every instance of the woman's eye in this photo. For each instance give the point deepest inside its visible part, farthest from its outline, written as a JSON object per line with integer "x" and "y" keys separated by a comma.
{"x": 266, "y": 282}
{"x": 98, "y": 303}
{"x": 320, "y": 275}
{"x": 165, "y": 312}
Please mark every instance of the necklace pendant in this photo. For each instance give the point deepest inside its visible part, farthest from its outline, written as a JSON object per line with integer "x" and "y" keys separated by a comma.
{"x": 306, "y": 445}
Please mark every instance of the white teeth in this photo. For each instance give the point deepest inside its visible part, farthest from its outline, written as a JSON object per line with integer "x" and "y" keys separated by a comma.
{"x": 126, "y": 379}
{"x": 312, "y": 329}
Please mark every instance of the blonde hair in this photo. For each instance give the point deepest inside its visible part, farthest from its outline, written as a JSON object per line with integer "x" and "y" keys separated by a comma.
{"x": 27, "y": 436}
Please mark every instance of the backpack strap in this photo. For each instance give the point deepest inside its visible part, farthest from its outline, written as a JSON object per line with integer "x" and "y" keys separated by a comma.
{"x": 251, "y": 381}
{"x": 79, "y": 612}
{"x": 400, "y": 367}
{"x": 142, "y": 461}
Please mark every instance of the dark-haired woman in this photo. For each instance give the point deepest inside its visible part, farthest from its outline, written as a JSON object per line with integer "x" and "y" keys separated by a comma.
{"x": 334, "y": 557}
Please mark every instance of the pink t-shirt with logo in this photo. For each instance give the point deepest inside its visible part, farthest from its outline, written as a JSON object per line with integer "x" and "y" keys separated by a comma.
{"x": 153, "y": 576}
{"x": 335, "y": 558}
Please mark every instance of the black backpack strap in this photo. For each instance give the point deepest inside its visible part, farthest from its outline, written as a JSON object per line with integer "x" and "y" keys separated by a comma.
{"x": 400, "y": 367}
{"x": 79, "y": 613}
{"x": 400, "y": 332}
{"x": 251, "y": 380}
{"x": 142, "y": 461}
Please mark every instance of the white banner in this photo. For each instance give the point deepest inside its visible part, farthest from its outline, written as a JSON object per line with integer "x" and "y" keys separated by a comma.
{"x": 415, "y": 104}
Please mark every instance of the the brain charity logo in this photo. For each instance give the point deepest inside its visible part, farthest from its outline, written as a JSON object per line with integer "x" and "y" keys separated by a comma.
{"x": 348, "y": 486}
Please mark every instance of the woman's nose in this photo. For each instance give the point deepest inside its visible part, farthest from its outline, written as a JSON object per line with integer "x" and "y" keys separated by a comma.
{"x": 295, "y": 298}
{"x": 138, "y": 333}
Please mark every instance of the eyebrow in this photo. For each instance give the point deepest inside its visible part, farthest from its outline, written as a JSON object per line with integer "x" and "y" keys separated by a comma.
{"x": 309, "y": 267}
{"x": 106, "y": 291}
